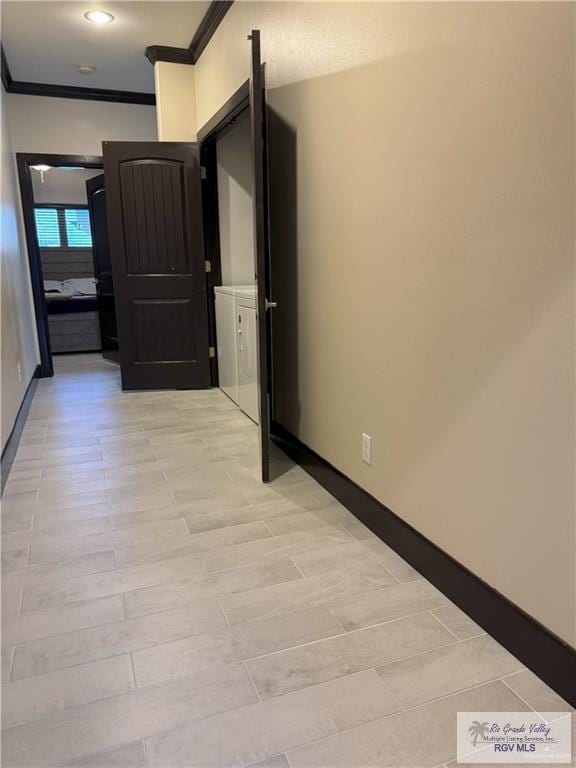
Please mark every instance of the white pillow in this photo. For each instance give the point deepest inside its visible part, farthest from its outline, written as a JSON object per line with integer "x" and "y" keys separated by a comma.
{"x": 52, "y": 286}
{"x": 81, "y": 286}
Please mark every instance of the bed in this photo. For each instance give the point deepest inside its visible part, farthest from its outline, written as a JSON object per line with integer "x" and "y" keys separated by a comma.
{"x": 70, "y": 292}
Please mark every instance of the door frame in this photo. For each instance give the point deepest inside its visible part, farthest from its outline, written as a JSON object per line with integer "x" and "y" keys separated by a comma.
{"x": 235, "y": 109}
{"x": 24, "y": 161}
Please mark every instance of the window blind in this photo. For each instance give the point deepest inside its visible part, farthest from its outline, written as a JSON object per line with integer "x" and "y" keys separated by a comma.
{"x": 77, "y": 228}
{"x": 62, "y": 227}
{"x": 47, "y": 227}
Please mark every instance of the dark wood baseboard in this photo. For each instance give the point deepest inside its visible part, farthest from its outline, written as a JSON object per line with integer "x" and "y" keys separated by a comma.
{"x": 13, "y": 441}
{"x": 547, "y": 655}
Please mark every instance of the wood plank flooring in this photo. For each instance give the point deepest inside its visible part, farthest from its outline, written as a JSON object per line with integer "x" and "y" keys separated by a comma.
{"x": 163, "y": 608}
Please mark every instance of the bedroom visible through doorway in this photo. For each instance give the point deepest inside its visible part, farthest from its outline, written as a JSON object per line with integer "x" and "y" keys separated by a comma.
{"x": 65, "y": 214}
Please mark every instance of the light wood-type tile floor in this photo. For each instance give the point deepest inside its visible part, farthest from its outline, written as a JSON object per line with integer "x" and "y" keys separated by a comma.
{"x": 163, "y": 608}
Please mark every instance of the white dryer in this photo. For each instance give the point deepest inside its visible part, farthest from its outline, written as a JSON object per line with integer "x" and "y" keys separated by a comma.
{"x": 247, "y": 341}
{"x": 226, "y": 341}
{"x": 237, "y": 345}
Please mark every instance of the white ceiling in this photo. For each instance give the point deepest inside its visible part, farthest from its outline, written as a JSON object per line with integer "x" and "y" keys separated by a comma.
{"x": 44, "y": 41}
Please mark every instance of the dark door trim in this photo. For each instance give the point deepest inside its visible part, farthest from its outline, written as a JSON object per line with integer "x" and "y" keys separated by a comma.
{"x": 24, "y": 162}
{"x": 222, "y": 120}
{"x": 211, "y": 223}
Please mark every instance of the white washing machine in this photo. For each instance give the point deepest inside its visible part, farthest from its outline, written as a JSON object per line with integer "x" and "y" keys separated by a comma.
{"x": 247, "y": 342}
{"x": 226, "y": 336}
{"x": 237, "y": 350}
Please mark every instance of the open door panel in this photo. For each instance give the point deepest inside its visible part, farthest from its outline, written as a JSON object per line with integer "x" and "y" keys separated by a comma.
{"x": 156, "y": 242}
{"x": 261, "y": 244}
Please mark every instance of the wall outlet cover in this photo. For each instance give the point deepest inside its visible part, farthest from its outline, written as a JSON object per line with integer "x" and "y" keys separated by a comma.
{"x": 366, "y": 448}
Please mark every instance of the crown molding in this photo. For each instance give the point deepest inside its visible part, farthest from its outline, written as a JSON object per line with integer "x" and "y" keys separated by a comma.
{"x": 71, "y": 91}
{"x": 209, "y": 24}
{"x": 156, "y": 53}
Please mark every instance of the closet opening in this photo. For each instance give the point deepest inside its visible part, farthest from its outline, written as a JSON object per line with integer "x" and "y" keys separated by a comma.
{"x": 229, "y": 237}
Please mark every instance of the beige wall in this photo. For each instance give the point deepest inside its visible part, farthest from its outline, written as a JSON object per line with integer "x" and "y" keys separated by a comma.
{"x": 235, "y": 206}
{"x": 74, "y": 127}
{"x": 175, "y": 101}
{"x": 422, "y": 162}
{"x": 60, "y": 186}
{"x": 19, "y": 348}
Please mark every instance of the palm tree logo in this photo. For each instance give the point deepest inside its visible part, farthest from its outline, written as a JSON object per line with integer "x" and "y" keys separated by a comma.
{"x": 477, "y": 729}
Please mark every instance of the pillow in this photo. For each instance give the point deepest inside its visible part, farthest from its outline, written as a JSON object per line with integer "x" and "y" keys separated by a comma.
{"x": 81, "y": 286}
{"x": 52, "y": 286}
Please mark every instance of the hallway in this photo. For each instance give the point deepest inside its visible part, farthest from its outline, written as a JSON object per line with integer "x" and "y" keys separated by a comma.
{"x": 163, "y": 608}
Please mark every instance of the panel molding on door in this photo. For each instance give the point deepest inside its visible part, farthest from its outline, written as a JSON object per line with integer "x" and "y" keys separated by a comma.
{"x": 159, "y": 330}
{"x": 155, "y": 222}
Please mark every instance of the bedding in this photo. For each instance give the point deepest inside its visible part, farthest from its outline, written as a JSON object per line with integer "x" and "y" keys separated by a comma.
{"x": 82, "y": 286}
{"x": 55, "y": 289}
{"x": 60, "y": 306}
{"x": 72, "y": 311}
{"x": 67, "y": 289}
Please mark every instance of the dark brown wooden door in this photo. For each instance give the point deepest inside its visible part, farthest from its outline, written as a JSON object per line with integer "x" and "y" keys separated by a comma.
{"x": 155, "y": 225}
{"x": 96, "y": 196}
{"x": 261, "y": 245}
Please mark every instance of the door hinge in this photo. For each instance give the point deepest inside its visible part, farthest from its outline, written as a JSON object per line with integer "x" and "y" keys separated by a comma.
{"x": 203, "y": 173}
{"x": 211, "y": 351}
{"x": 207, "y": 266}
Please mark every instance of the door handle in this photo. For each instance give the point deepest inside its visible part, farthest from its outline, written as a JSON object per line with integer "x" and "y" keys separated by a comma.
{"x": 270, "y": 304}
{"x": 241, "y": 348}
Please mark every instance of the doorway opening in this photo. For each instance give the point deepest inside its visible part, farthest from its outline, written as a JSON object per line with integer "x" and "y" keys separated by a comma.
{"x": 251, "y": 318}
{"x": 234, "y": 294}
{"x": 63, "y": 203}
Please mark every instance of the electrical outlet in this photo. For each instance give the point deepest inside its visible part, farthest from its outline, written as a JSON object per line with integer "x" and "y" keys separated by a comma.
{"x": 366, "y": 448}
{"x": 19, "y": 372}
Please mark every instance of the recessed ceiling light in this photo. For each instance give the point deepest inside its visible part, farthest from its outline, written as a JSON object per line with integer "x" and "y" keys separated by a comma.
{"x": 41, "y": 168}
{"x": 99, "y": 17}
{"x": 86, "y": 69}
